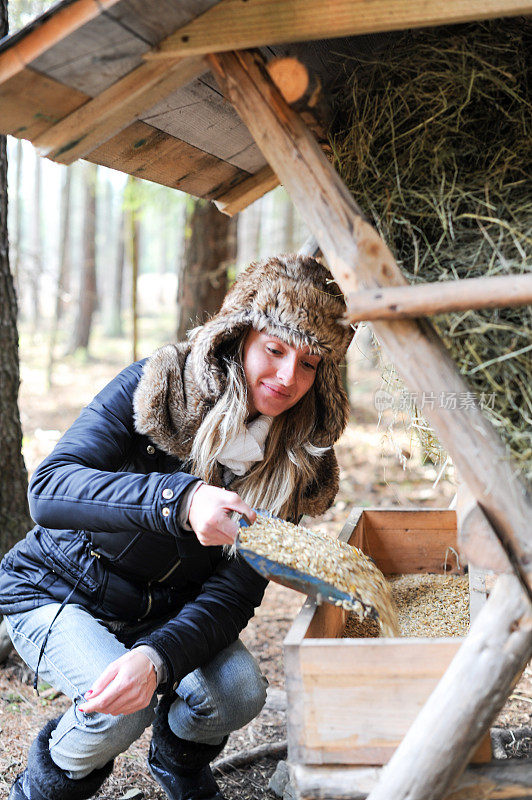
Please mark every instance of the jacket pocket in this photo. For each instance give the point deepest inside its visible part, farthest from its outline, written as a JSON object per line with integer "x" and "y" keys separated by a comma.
{"x": 141, "y": 556}
{"x": 71, "y": 561}
{"x": 123, "y": 544}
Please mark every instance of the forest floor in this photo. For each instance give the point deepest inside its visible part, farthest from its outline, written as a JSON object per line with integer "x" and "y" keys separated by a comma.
{"x": 372, "y": 474}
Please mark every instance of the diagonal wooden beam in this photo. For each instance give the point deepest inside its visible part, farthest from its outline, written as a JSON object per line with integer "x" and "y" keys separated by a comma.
{"x": 108, "y": 113}
{"x": 359, "y": 258}
{"x": 234, "y": 24}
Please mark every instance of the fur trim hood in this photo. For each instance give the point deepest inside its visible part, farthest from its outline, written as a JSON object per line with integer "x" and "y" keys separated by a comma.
{"x": 292, "y": 297}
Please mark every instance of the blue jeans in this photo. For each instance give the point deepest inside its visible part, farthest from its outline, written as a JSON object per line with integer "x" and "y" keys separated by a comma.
{"x": 210, "y": 702}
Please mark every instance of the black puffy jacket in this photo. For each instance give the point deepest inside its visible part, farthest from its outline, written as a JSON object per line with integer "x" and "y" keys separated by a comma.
{"x": 106, "y": 504}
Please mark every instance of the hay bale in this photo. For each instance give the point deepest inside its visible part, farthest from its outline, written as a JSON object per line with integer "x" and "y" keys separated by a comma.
{"x": 433, "y": 139}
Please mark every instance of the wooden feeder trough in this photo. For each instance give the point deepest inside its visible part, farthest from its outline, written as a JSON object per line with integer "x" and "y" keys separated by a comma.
{"x": 351, "y": 701}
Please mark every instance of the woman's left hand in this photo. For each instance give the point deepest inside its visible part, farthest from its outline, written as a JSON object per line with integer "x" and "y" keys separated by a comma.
{"x": 126, "y": 686}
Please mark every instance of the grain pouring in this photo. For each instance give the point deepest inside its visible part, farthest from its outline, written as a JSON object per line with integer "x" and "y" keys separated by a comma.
{"x": 330, "y": 560}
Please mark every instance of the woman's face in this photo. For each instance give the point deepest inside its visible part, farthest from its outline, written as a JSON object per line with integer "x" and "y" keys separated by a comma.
{"x": 277, "y": 374}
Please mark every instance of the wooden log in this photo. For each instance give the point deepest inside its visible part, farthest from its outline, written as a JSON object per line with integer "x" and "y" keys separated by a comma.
{"x": 52, "y": 29}
{"x": 474, "y": 688}
{"x": 359, "y": 258}
{"x": 299, "y": 87}
{"x": 439, "y": 298}
{"x": 247, "y": 191}
{"x": 108, "y": 113}
{"x": 498, "y": 780}
{"x": 233, "y": 25}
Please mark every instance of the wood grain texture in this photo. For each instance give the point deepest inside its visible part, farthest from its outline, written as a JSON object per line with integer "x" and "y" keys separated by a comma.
{"x": 409, "y": 542}
{"x": 118, "y": 106}
{"x": 439, "y": 298}
{"x": 31, "y": 103}
{"x": 152, "y": 20}
{"x": 235, "y": 25}
{"x": 147, "y": 153}
{"x": 439, "y": 743}
{"x": 197, "y": 114}
{"x": 359, "y": 258}
{"x": 247, "y": 192}
{"x": 358, "y": 697}
{"x": 93, "y": 57}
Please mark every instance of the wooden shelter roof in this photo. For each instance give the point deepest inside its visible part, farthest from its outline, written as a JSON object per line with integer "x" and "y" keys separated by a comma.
{"x": 123, "y": 83}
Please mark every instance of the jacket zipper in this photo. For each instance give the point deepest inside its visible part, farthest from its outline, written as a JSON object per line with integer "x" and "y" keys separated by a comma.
{"x": 158, "y": 580}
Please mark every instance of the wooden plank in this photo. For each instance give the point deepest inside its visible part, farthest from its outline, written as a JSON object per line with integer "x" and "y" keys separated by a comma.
{"x": 474, "y": 688}
{"x": 404, "y": 552}
{"x": 147, "y": 153}
{"x": 498, "y": 780}
{"x": 247, "y": 192}
{"x": 440, "y": 297}
{"x": 154, "y": 20}
{"x": 327, "y": 622}
{"x": 361, "y": 696}
{"x": 94, "y": 57}
{"x": 197, "y": 114}
{"x": 32, "y": 103}
{"x": 358, "y": 258}
{"x": 234, "y": 25}
{"x": 111, "y": 111}
{"x": 414, "y": 541}
{"x": 62, "y": 23}
{"x": 416, "y": 518}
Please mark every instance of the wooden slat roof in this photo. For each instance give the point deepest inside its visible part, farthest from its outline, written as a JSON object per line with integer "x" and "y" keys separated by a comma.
{"x": 113, "y": 81}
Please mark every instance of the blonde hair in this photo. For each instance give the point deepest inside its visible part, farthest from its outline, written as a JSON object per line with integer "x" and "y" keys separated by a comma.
{"x": 275, "y": 484}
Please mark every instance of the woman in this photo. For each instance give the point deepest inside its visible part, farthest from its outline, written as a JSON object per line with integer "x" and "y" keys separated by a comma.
{"x": 123, "y": 589}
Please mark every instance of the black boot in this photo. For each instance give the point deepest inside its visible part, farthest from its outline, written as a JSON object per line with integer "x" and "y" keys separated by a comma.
{"x": 179, "y": 766}
{"x": 43, "y": 780}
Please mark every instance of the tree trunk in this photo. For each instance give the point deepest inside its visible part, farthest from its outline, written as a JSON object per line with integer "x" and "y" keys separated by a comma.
{"x": 114, "y": 322}
{"x": 17, "y": 227}
{"x": 36, "y": 247}
{"x": 63, "y": 275}
{"x": 210, "y": 248}
{"x": 248, "y": 234}
{"x": 288, "y": 226}
{"x": 14, "y": 515}
{"x": 87, "y": 285}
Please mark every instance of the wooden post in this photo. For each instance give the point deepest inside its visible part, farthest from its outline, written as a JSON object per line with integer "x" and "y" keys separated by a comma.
{"x": 359, "y": 258}
{"x": 475, "y": 686}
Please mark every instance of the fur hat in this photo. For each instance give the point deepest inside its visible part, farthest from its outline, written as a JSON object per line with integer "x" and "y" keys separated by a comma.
{"x": 292, "y": 297}
{"x": 295, "y": 299}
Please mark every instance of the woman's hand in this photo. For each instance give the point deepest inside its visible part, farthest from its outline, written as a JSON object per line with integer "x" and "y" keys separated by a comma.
{"x": 126, "y": 686}
{"x": 209, "y": 515}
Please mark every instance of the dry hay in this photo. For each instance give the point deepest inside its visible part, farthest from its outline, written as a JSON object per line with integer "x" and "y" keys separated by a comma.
{"x": 433, "y": 139}
{"x": 427, "y": 606}
{"x": 339, "y": 564}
